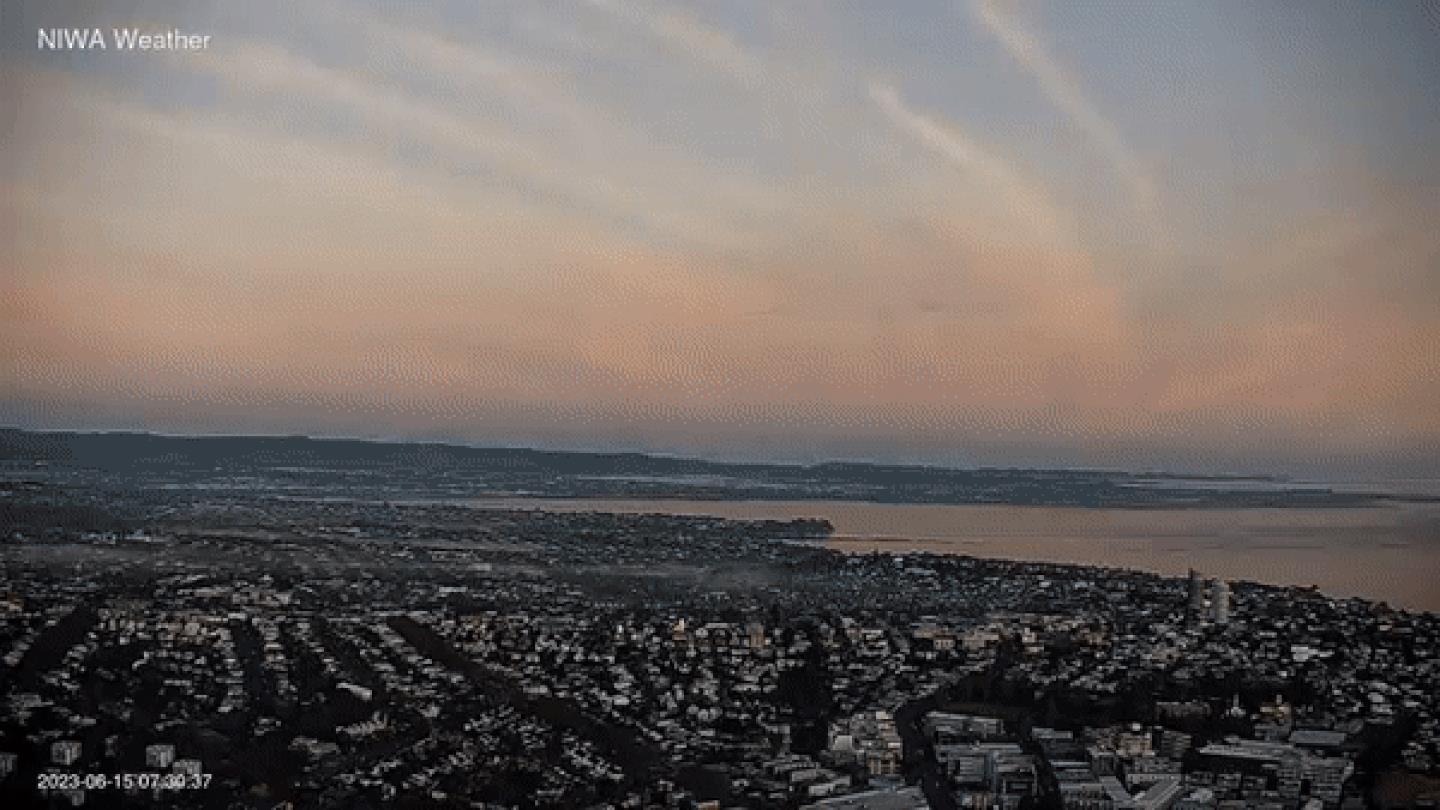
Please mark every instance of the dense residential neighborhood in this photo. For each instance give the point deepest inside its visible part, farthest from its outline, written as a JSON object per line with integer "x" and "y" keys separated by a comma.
{"x": 255, "y": 648}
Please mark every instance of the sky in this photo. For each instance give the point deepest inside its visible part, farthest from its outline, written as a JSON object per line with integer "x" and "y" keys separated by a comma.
{"x": 1191, "y": 236}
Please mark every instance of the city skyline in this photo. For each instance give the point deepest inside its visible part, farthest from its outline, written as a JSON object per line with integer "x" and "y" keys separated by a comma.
{"x": 956, "y": 233}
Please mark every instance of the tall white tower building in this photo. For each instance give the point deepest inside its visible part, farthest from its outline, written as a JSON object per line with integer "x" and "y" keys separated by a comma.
{"x": 1219, "y": 602}
{"x": 1196, "y": 607}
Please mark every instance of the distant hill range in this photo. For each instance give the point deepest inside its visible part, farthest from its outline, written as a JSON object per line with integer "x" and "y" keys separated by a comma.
{"x": 354, "y": 468}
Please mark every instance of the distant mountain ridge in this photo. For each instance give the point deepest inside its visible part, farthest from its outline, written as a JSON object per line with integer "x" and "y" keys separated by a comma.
{"x": 450, "y": 470}
{"x": 129, "y": 447}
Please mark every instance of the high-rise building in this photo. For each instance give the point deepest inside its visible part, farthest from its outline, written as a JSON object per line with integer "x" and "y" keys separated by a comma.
{"x": 1220, "y": 602}
{"x": 1196, "y": 606}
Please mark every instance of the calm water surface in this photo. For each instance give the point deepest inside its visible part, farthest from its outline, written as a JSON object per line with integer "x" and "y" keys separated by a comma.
{"x": 1389, "y": 553}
